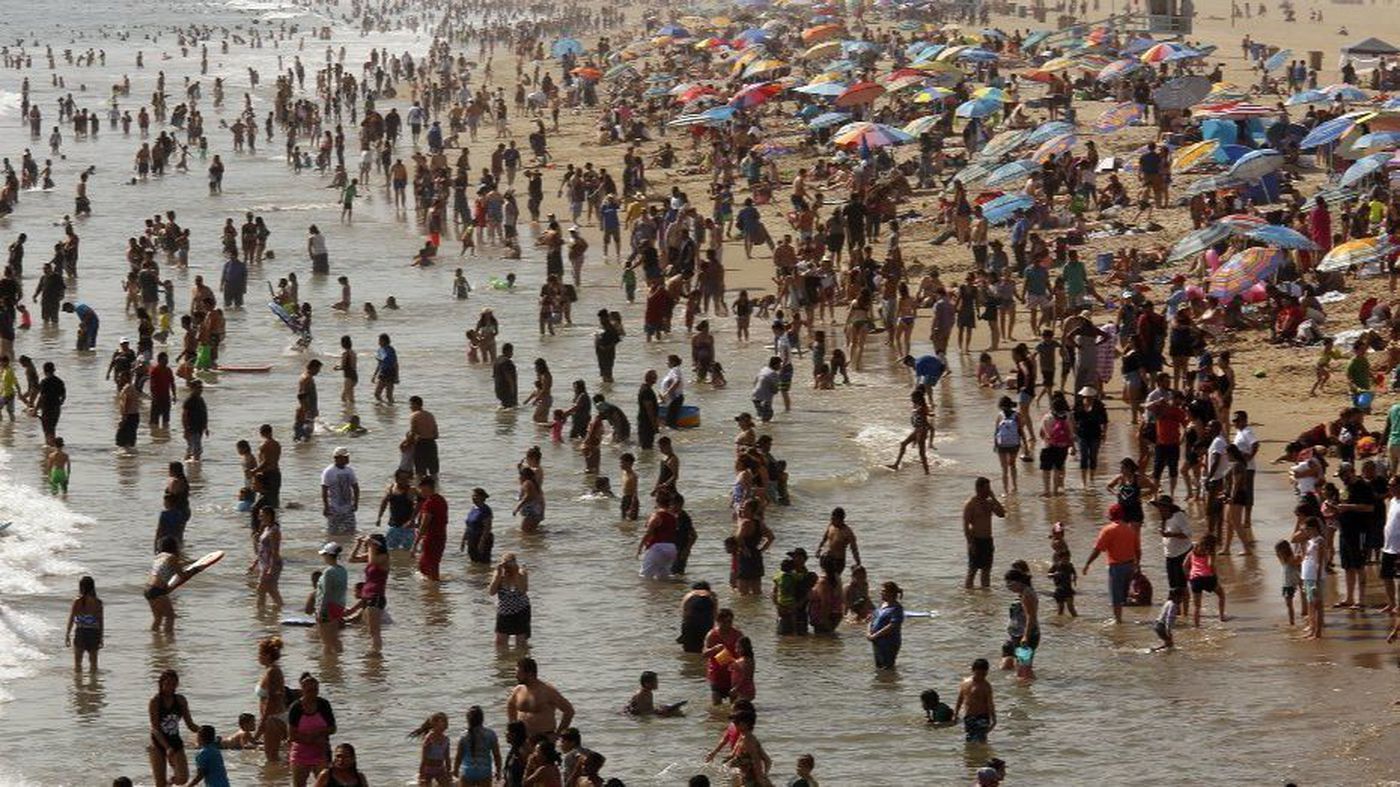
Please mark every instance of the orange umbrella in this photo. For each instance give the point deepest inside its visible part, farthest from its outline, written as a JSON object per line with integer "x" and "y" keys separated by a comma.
{"x": 587, "y": 72}
{"x": 820, "y": 33}
{"x": 860, "y": 93}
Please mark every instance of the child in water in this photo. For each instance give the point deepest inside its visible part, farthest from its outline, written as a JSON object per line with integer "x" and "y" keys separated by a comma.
{"x": 86, "y": 616}
{"x": 473, "y": 346}
{"x": 717, "y": 379}
{"x": 461, "y": 288}
{"x": 643, "y": 703}
{"x": 1292, "y": 575}
{"x": 556, "y": 427}
{"x": 936, "y": 712}
{"x": 58, "y": 467}
{"x": 435, "y": 759}
{"x": 209, "y": 761}
{"x": 838, "y": 366}
{"x": 630, "y": 505}
{"x": 1065, "y": 576}
{"x": 246, "y": 737}
{"x": 343, "y": 305}
{"x": 987, "y": 374}
{"x": 370, "y": 313}
{"x": 1167, "y": 619}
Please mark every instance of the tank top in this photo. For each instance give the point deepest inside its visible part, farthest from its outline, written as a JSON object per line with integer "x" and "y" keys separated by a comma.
{"x": 376, "y": 581}
{"x": 1199, "y": 566}
{"x": 304, "y": 753}
{"x": 400, "y": 508}
{"x": 1130, "y": 497}
{"x": 665, "y": 532}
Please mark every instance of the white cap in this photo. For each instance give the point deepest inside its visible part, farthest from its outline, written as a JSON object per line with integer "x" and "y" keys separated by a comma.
{"x": 341, "y": 451}
{"x": 331, "y": 548}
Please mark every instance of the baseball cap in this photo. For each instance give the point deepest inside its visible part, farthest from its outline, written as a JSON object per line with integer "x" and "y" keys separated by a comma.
{"x": 341, "y": 451}
{"x": 331, "y": 548}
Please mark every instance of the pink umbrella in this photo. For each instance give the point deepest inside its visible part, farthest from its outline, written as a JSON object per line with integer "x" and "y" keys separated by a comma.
{"x": 860, "y": 93}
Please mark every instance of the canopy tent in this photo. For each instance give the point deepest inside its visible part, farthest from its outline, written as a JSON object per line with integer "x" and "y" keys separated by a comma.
{"x": 1367, "y": 53}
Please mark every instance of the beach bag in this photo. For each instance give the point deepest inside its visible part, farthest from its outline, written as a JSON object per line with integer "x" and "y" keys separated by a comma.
{"x": 1059, "y": 432}
{"x": 1008, "y": 432}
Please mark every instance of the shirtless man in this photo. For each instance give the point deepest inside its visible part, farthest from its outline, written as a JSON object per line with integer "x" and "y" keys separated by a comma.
{"x": 267, "y": 472}
{"x": 975, "y": 704}
{"x": 747, "y": 437}
{"x": 977, "y": 528}
{"x": 422, "y": 435}
{"x": 536, "y": 703}
{"x": 837, "y": 538}
{"x": 592, "y": 439}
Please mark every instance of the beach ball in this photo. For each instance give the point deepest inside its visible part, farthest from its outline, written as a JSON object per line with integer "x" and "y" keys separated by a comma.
{"x": 1364, "y": 399}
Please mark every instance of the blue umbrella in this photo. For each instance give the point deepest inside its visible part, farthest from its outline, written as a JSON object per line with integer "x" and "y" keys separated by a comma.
{"x": 1196, "y": 242}
{"x": 566, "y": 46}
{"x": 674, "y": 31}
{"x": 1003, "y": 208}
{"x": 1364, "y": 168}
{"x": 828, "y": 119}
{"x": 929, "y": 52}
{"x": 1327, "y": 133}
{"x": 1011, "y": 173}
{"x": 1308, "y": 97}
{"x": 972, "y": 173}
{"x": 1048, "y": 131}
{"x": 1002, "y": 144}
{"x": 914, "y": 47}
{"x": 857, "y": 47}
{"x": 1182, "y": 92}
{"x": 753, "y": 35}
{"x": 977, "y": 108}
{"x": 979, "y": 55}
{"x": 1139, "y": 45}
{"x": 1256, "y": 164}
{"x": 1393, "y": 103}
{"x": 1377, "y": 139}
{"x": 1277, "y": 59}
{"x": 1282, "y": 237}
{"x": 1035, "y": 38}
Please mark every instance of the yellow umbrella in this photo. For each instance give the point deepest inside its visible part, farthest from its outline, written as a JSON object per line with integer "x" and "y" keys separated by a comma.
{"x": 822, "y": 51}
{"x": 763, "y": 66}
{"x": 1058, "y": 64}
{"x": 720, "y": 21}
{"x": 747, "y": 56}
{"x": 827, "y": 76}
{"x": 1191, "y": 155}
{"x": 949, "y": 53}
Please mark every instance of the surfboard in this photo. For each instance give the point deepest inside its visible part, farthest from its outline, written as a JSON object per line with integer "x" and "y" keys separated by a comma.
{"x": 251, "y": 368}
{"x": 298, "y": 620}
{"x": 195, "y": 568}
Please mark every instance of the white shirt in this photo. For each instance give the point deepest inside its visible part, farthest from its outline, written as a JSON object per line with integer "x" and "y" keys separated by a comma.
{"x": 673, "y": 384}
{"x": 1176, "y": 547}
{"x": 1307, "y": 484}
{"x": 317, "y": 243}
{"x": 1217, "y": 448}
{"x": 340, "y": 487}
{"x": 1391, "y": 545}
{"x": 1312, "y": 562}
{"x": 1245, "y": 441}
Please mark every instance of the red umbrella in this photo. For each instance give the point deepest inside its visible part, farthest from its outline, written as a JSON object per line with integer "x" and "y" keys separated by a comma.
{"x": 753, "y": 95}
{"x": 860, "y": 93}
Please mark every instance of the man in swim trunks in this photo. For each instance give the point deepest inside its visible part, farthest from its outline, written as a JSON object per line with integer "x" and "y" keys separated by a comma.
{"x": 423, "y": 435}
{"x": 537, "y": 703}
{"x": 975, "y": 704}
{"x": 977, "y": 529}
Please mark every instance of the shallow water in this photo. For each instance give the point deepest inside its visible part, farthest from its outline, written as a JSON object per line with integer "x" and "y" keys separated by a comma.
{"x": 1238, "y": 702}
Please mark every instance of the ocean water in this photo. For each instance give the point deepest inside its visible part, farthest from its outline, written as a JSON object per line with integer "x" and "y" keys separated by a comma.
{"x": 1237, "y": 702}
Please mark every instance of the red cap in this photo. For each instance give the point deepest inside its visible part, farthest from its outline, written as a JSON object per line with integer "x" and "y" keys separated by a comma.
{"x": 1115, "y": 512}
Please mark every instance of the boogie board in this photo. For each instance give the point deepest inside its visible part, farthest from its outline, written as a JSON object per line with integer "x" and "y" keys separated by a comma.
{"x": 244, "y": 368}
{"x": 298, "y": 620}
{"x": 194, "y": 569}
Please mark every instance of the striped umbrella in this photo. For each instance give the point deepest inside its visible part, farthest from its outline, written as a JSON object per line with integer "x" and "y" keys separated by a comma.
{"x": 1196, "y": 242}
{"x": 921, "y": 125}
{"x": 1117, "y": 117}
{"x": 755, "y": 94}
{"x": 1364, "y": 168}
{"x": 972, "y": 173}
{"x": 1256, "y": 164}
{"x": 1054, "y": 147}
{"x": 1243, "y": 271}
{"x": 1281, "y": 237}
{"x": 1058, "y": 64}
{"x": 828, "y": 119}
{"x": 1163, "y": 52}
{"x": 1220, "y": 182}
{"x": 1015, "y": 172}
{"x": 1003, "y": 143}
{"x": 1277, "y": 59}
{"x": 1003, "y": 208}
{"x": 933, "y": 94}
{"x": 1197, "y": 152}
{"x": 1048, "y": 131}
{"x": 1232, "y": 110}
{"x": 870, "y": 135}
{"x": 1328, "y": 132}
{"x": 1242, "y": 222}
{"x": 1118, "y": 69}
{"x": 1356, "y": 253}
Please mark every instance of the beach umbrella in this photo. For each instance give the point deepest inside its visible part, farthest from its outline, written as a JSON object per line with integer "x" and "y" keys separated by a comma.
{"x": 979, "y": 55}
{"x": 746, "y": 57}
{"x": 828, "y": 119}
{"x": 717, "y": 116}
{"x": 588, "y": 73}
{"x": 1328, "y": 132}
{"x": 819, "y": 33}
{"x": 619, "y": 70}
{"x": 1356, "y": 253}
{"x": 823, "y": 50}
{"x": 1189, "y": 156}
{"x": 849, "y": 48}
{"x": 1308, "y": 97}
{"x": 869, "y": 135}
{"x": 1221, "y": 92}
{"x": 1117, "y": 117}
{"x": 1364, "y": 168}
{"x": 859, "y": 94}
{"x": 1196, "y": 242}
{"x": 1118, "y": 69}
{"x": 1345, "y": 92}
{"x": 905, "y": 82}
{"x": 1243, "y": 271}
{"x": 991, "y": 94}
{"x": 1277, "y": 59}
{"x": 1003, "y": 208}
{"x": 1220, "y": 182}
{"x": 1243, "y": 222}
{"x": 1054, "y": 147}
{"x": 1034, "y": 39}
{"x": 937, "y": 67}
{"x": 752, "y": 36}
{"x": 1057, "y": 64}
{"x": 1002, "y": 144}
{"x": 1256, "y": 164}
{"x": 1015, "y": 172}
{"x": 674, "y": 31}
{"x": 972, "y": 173}
{"x": 687, "y": 92}
{"x": 977, "y": 108}
{"x": 928, "y": 52}
{"x": 830, "y": 89}
{"x": 755, "y": 94}
{"x": 1160, "y": 53}
{"x": 763, "y": 67}
{"x": 1048, "y": 131}
{"x": 773, "y": 149}
{"x": 1384, "y": 140}
{"x": 934, "y": 94}
{"x": 1232, "y": 109}
{"x": 921, "y": 125}
{"x": 710, "y": 43}
{"x": 566, "y": 46}
{"x": 1281, "y": 237}
{"x": 1182, "y": 92}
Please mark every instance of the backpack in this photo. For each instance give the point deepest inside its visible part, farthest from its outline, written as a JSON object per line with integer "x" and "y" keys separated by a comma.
{"x": 1008, "y": 431}
{"x": 1059, "y": 432}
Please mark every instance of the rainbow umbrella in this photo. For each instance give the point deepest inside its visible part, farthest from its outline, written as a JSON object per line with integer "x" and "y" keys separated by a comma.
{"x": 819, "y": 33}
{"x": 1015, "y": 172}
{"x": 1058, "y": 64}
{"x": 1054, "y": 147}
{"x": 755, "y": 94}
{"x": 921, "y": 125}
{"x": 1118, "y": 69}
{"x": 1167, "y": 52}
{"x": 1189, "y": 156}
{"x": 859, "y": 94}
{"x": 931, "y": 95}
{"x": 1356, "y": 253}
{"x": 1117, "y": 117}
{"x": 869, "y": 135}
{"x": 1243, "y": 271}
{"x": 1364, "y": 168}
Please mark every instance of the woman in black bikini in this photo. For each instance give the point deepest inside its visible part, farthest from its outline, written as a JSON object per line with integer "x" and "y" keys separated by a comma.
{"x": 167, "y": 709}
